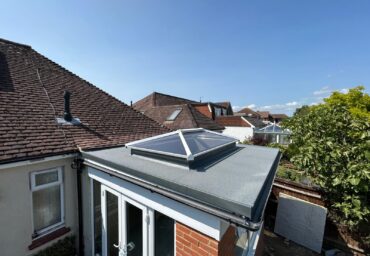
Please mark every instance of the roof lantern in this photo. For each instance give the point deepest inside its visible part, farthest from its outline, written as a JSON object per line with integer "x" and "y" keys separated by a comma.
{"x": 183, "y": 146}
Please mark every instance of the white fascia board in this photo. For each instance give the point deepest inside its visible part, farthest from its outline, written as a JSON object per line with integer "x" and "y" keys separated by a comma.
{"x": 35, "y": 161}
{"x": 196, "y": 219}
{"x": 248, "y": 122}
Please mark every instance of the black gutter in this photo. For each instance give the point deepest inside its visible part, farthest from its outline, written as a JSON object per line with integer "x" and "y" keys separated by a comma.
{"x": 77, "y": 164}
{"x": 239, "y": 221}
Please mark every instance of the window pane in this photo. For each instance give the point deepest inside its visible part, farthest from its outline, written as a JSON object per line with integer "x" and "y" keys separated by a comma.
{"x": 164, "y": 235}
{"x": 134, "y": 217}
{"x": 174, "y": 115}
{"x": 45, "y": 178}
{"x": 97, "y": 218}
{"x": 46, "y": 207}
{"x": 170, "y": 144}
{"x": 112, "y": 224}
{"x": 202, "y": 141}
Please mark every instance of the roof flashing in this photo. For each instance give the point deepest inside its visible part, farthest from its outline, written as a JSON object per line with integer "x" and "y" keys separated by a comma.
{"x": 62, "y": 121}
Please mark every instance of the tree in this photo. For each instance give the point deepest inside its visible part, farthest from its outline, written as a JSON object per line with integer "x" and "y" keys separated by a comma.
{"x": 332, "y": 142}
{"x": 355, "y": 100}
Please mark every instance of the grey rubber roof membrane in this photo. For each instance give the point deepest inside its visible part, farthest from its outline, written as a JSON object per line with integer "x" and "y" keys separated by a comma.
{"x": 239, "y": 181}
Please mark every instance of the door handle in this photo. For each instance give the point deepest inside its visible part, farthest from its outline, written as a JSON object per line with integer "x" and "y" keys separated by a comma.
{"x": 130, "y": 246}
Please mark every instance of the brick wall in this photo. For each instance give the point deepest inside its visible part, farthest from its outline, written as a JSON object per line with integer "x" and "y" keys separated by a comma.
{"x": 191, "y": 242}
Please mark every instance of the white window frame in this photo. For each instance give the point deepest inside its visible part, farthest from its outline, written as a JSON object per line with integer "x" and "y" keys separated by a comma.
{"x": 34, "y": 188}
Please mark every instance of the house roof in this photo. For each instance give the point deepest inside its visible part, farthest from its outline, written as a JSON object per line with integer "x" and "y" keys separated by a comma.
{"x": 256, "y": 122}
{"x": 157, "y": 99}
{"x": 232, "y": 121}
{"x": 31, "y": 98}
{"x": 225, "y": 104}
{"x": 248, "y": 111}
{"x": 189, "y": 117}
{"x": 279, "y": 116}
{"x": 264, "y": 114}
{"x": 238, "y": 182}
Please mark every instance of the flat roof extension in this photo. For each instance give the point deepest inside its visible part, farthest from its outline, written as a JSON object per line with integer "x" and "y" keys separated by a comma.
{"x": 239, "y": 182}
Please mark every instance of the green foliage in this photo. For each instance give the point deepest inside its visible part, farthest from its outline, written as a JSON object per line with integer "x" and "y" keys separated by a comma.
{"x": 290, "y": 174}
{"x": 356, "y": 101}
{"x": 64, "y": 247}
{"x": 332, "y": 143}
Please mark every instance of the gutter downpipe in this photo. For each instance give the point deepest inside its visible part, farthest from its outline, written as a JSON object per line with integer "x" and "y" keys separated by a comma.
{"x": 240, "y": 221}
{"x": 77, "y": 164}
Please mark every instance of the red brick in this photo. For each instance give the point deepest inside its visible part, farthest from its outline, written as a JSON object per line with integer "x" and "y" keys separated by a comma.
{"x": 201, "y": 238}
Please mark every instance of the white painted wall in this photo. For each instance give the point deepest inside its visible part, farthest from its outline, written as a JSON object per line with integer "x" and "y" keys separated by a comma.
{"x": 16, "y": 208}
{"x": 241, "y": 133}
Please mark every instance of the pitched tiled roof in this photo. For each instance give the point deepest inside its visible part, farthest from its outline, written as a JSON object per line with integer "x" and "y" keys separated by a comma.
{"x": 224, "y": 104}
{"x": 189, "y": 117}
{"x": 279, "y": 116}
{"x": 31, "y": 98}
{"x": 264, "y": 114}
{"x": 157, "y": 99}
{"x": 232, "y": 121}
{"x": 249, "y": 112}
{"x": 255, "y": 121}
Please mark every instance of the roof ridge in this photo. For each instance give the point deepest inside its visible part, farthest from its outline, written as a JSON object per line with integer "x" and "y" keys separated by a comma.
{"x": 168, "y": 95}
{"x": 2, "y": 40}
{"x": 190, "y": 107}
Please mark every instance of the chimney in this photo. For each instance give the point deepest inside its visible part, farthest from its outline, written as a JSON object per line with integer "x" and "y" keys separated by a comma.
{"x": 67, "y": 111}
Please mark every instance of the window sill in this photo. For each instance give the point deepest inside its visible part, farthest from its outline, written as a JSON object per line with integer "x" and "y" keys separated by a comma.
{"x": 48, "y": 237}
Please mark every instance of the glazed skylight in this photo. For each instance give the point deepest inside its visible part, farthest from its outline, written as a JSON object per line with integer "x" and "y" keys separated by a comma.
{"x": 185, "y": 144}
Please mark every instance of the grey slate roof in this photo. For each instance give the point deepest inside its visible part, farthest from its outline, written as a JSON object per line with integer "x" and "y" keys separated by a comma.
{"x": 239, "y": 182}
{"x": 255, "y": 121}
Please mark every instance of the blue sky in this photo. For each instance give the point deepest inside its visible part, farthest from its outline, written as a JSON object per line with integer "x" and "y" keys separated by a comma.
{"x": 271, "y": 55}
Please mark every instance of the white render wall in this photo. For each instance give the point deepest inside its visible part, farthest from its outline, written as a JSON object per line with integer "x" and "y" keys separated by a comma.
{"x": 16, "y": 208}
{"x": 241, "y": 133}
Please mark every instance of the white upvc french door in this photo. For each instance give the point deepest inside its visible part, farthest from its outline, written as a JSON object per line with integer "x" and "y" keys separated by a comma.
{"x": 125, "y": 225}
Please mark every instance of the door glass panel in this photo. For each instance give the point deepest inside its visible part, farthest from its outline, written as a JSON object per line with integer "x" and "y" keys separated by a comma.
{"x": 112, "y": 224}
{"x": 164, "y": 235}
{"x": 97, "y": 218}
{"x": 134, "y": 222}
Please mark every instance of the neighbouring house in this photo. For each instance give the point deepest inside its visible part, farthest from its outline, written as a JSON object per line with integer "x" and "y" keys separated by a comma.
{"x": 240, "y": 127}
{"x": 248, "y": 112}
{"x": 228, "y": 106}
{"x": 157, "y": 99}
{"x": 38, "y": 185}
{"x": 277, "y": 118}
{"x": 212, "y": 110}
{"x": 265, "y": 116}
{"x": 182, "y": 117}
{"x": 179, "y": 113}
{"x": 76, "y": 161}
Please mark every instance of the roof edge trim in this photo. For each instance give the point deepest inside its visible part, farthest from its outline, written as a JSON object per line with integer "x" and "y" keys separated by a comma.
{"x": 237, "y": 220}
